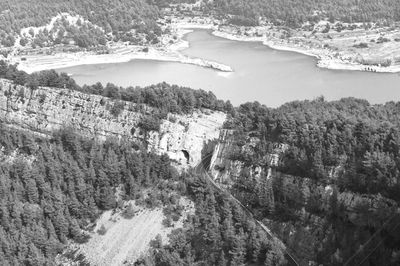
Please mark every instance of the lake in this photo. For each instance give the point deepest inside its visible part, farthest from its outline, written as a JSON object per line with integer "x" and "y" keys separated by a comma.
{"x": 260, "y": 74}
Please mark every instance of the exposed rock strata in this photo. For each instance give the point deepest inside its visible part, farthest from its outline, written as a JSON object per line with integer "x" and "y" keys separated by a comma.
{"x": 47, "y": 109}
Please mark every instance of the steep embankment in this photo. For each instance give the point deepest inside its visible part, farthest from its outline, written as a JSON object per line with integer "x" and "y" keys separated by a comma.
{"x": 47, "y": 109}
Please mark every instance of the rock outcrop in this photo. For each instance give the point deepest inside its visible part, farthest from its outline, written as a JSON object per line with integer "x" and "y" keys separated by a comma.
{"x": 45, "y": 109}
{"x": 225, "y": 166}
{"x": 222, "y": 168}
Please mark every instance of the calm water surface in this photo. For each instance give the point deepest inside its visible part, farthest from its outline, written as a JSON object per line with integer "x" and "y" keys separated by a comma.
{"x": 260, "y": 74}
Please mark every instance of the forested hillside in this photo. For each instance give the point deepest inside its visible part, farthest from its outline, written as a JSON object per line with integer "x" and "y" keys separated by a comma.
{"x": 220, "y": 233}
{"x": 336, "y": 185}
{"x": 52, "y": 188}
{"x": 114, "y": 16}
{"x": 293, "y": 13}
{"x": 119, "y": 18}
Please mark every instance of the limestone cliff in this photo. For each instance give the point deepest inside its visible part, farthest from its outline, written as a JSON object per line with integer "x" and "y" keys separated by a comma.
{"x": 223, "y": 169}
{"x": 225, "y": 166}
{"x": 47, "y": 109}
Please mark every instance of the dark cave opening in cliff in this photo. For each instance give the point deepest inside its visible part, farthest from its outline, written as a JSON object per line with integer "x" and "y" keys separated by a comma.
{"x": 187, "y": 156}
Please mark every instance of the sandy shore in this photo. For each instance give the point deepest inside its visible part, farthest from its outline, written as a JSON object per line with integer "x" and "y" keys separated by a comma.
{"x": 326, "y": 60}
{"x": 118, "y": 54}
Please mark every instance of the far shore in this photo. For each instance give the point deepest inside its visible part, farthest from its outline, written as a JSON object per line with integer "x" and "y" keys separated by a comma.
{"x": 171, "y": 52}
{"x": 325, "y": 58}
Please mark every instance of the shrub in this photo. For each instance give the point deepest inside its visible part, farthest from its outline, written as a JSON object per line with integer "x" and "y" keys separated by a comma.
{"x": 21, "y": 94}
{"x": 129, "y": 212}
{"x": 327, "y": 28}
{"x": 167, "y": 222}
{"x": 102, "y": 230}
{"x": 82, "y": 238}
{"x": 175, "y": 216}
{"x": 172, "y": 119}
{"x": 243, "y": 21}
{"x": 157, "y": 242}
{"x": 117, "y": 108}
{"x": 149, "y": 123}
{"x": 361, "y": 45}
{"x": 42, "y": 98}
{"x": 382, "y": 40}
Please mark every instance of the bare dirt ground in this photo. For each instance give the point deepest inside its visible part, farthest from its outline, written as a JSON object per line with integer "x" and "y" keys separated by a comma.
{"x": 126, "y": 240}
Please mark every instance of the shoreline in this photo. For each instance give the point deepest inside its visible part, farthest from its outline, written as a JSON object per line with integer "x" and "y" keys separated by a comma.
{"x": 66, "y": 60}
{"x": 120, "y": 54}
{"x": 324, "y": 58}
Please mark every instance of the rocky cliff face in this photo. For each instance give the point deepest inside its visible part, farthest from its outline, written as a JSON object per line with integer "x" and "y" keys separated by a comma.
{"x": 223, "y": 169}
{"x": 47, "y": 109}
{"x": 225, "y": 166}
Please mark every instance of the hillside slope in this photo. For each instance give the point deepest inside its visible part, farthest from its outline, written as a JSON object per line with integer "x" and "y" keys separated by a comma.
{"x": 324, "y": 176}
{"x": 62, "y": 167}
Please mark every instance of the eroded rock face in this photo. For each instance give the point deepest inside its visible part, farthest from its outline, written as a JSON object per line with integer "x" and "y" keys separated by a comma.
{"x": 225, "y": 168}
{"x": 222, "y": 168}
{"x": 47, "y": 109}
{"x": 184, "y": 138}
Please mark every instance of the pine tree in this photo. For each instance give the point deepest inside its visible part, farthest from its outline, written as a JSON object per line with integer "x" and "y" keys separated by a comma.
{"x": 228, "y": 230}
{"x": 32, "y": 191}
{"x": 265, "y": 194}
{"x": 238, "y": 249}
{"x": 112, "y": 166}
{"x": 254, "y": 246}
{"x": 106, "y": 197}
{"x": 222, "y": 259}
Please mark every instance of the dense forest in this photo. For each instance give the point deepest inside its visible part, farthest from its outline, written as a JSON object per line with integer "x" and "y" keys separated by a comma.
{"x": 220, "y": 233}
{"x": 115, "y": 16}
{"x": 294, "y": 13}
{"x": 336, "y": 186}
{"x": 53, "y": 189}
